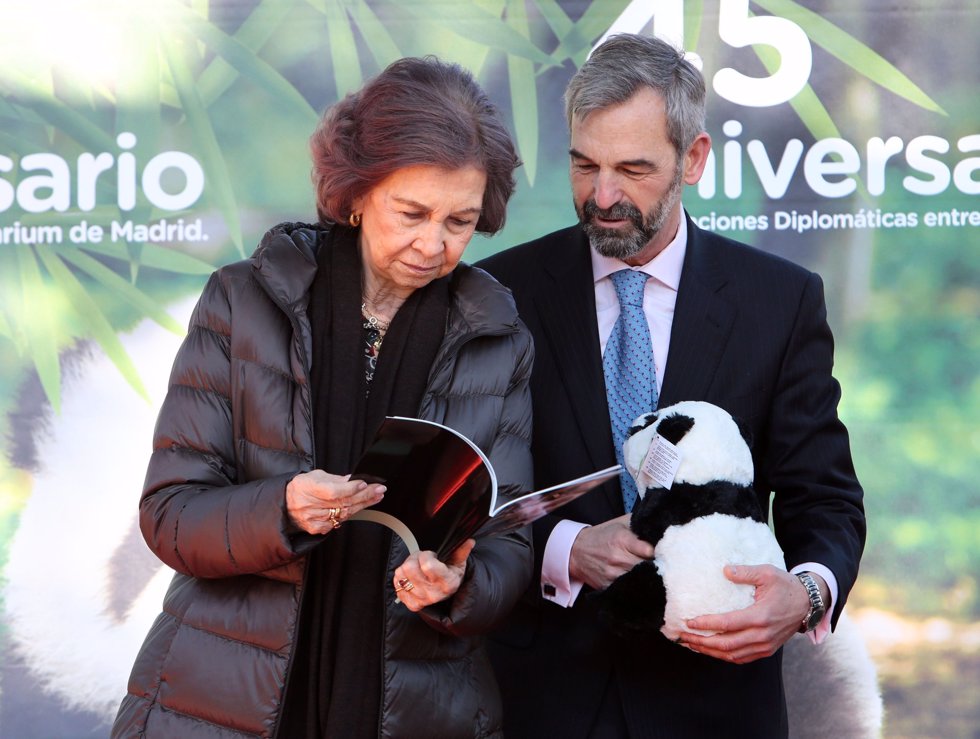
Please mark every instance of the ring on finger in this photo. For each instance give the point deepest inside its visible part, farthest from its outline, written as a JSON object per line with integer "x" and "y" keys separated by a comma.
{"x": 335, "y": 517}
{"x": 404, "y": 584}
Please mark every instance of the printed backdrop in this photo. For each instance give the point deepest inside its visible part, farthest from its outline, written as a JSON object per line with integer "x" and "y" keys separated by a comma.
{"x": 145, "y": 142}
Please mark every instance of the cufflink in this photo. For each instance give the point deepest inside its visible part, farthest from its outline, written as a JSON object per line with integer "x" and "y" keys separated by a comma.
{"x": 549, "y": 590}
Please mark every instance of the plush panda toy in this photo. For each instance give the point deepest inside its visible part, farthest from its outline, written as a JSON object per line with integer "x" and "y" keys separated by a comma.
{"x": 708, "y": 518}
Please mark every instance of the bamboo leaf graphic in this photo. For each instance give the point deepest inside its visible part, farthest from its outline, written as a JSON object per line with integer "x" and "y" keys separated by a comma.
{"x": 91, "y": 316}
{"x": 343, "y": 50}
{"x": 39, "y": 327}
{"x": 382, "y": 45}
{"x": 135, "y": 111}
{"x": 121, "y": 287}
{"x": 556, "y": 18}
{"x": 260, "y": 25}
{"x": 807, "y": 105}
{"x": 53, "y": 111}
{"x": 523, "y": 93}
{"x": 813, "y": 114}
{"x": 158, "y": 257}
{"x": 197, "y": 116}
{"x": 470, "y": 21}
{"x": 239, "y": 56}
{"x": 693, "y": 17}
{"x": 852, "y": 52}
{"x": 6, "y": 109}
{"x": 18, "y": 143}
{"x": 593, "y": 23}
{"x": 12, "y": 298}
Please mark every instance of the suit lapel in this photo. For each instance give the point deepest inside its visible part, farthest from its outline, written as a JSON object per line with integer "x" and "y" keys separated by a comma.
{"x": 566, "y": 305}
{"x": 703, "y": 321}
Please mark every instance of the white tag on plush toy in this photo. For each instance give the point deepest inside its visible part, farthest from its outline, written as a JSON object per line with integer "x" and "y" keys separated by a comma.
{"x": 661, "y": 463}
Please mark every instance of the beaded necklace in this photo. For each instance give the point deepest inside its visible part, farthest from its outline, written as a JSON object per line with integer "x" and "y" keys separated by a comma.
{"x": 374, "y": 334}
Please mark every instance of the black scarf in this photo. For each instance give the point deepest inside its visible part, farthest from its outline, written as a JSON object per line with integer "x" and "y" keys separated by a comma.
{"x": 334, "y": 686}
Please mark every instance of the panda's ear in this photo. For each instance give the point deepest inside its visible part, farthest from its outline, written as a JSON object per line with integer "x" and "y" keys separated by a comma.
{"x": 675, "y": 426}
{"x": 744, "y": 430}
{"x": 641, "y": 423}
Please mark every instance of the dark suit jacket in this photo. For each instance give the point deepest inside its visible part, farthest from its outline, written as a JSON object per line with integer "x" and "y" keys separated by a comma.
{"x": 750, "y": 335}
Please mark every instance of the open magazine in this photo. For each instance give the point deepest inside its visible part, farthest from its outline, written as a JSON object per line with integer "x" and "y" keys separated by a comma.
{"x": 442, "y": 489}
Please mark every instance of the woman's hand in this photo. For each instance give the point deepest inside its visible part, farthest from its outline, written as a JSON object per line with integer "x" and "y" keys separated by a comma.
{"x": 318, "y": 502}
{"x": 422, "y": 579}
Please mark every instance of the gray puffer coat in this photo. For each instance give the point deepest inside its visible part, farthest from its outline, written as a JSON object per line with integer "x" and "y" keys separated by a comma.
{"x": 235, "y": 427}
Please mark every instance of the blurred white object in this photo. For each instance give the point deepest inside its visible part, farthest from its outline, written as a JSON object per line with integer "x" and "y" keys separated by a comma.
{"x": 81, "y": 588}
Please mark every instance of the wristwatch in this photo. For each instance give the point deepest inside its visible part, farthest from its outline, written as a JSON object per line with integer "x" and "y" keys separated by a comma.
{"x": 817, "y": 607}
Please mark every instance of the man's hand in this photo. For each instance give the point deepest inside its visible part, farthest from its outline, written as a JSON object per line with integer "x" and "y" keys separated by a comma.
{"x": 759, "y": 630}
{"x": 603, "y": 552}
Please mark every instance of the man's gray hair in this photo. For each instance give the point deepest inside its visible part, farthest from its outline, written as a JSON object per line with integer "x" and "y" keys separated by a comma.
{"x": 622, "y": 65}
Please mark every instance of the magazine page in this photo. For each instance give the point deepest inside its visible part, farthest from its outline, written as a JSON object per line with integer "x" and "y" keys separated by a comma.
{"x": 440, "y": 485}
{"x": 442, "y": 489}
{"x": 525, "y": 509}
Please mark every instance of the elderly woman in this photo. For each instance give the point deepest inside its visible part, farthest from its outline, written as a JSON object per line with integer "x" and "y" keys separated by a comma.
{"x": 284, "y": 618}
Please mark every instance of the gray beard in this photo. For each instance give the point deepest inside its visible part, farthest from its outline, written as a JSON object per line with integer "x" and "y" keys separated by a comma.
{"x": 625, "y": 243}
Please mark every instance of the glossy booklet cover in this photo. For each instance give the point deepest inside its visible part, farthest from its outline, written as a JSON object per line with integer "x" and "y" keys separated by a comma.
{"x": 442, "y": 489}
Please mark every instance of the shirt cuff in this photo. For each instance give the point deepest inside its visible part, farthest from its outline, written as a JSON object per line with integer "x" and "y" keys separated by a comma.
{"x": 823, "y": 628}
{"x": 556, "y": 584}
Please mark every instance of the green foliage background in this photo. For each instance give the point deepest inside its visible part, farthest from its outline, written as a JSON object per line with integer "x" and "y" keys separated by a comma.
{"x": 240, "y": 85}
{"x": 911, "y": 375}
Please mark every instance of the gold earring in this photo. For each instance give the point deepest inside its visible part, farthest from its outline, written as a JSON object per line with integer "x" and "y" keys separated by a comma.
{"x": 354, "y": 220}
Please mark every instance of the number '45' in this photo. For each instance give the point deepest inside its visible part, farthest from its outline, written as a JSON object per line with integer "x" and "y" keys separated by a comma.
{"x": 737, "y": 29}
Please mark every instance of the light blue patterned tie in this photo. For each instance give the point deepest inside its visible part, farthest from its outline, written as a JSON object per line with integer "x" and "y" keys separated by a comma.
{"x": 631, "y": 386}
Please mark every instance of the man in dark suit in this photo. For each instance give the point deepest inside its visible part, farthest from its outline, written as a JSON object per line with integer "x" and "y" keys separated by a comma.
{"x": 730, "y": 325}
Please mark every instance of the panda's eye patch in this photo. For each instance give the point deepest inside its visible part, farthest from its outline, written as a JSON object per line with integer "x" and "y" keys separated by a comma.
{"x": 674, "y": 427}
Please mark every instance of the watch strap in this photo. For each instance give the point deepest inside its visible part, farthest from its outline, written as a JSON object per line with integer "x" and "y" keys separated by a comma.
{"x": 817, "y": 607}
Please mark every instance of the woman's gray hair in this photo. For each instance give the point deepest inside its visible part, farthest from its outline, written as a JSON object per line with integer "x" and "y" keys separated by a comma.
{"x": 622, "y": 65}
